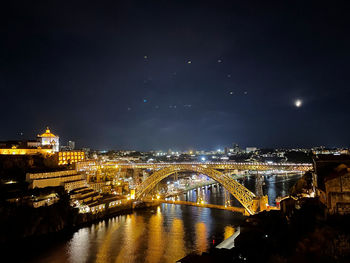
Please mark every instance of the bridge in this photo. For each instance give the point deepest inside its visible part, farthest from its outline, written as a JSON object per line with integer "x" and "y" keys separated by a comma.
{"x": 216, "y": 171}
{"x": 252, "y": 166}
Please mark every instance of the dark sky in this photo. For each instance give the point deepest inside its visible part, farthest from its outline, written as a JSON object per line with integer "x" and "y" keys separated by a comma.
{"x": 177, "y": 74}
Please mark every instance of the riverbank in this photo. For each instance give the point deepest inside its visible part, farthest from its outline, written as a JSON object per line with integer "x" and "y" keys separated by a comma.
{"x": 161, "y": 234}
{"x": 28, "y": 224}
{"x": 26, "y": 249}
{"x": 306, "y": 236}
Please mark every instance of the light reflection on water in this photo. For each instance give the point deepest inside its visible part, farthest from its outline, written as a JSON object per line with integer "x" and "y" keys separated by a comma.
{"x": 79, "y": 246}
{"x": 229, "y": 231}
{"x": 201, "y": 238}
{"x": 175, "y": 245}
{"x": 156, "y": 240}
{"x": 163, "y": 234}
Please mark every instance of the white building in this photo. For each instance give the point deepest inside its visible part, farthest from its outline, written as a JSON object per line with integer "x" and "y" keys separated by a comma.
{"x": 49, "y": 138}
{"x": 250, "y": 149}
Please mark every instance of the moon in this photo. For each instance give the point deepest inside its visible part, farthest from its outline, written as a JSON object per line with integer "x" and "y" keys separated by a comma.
{"x": 298, "y": 103}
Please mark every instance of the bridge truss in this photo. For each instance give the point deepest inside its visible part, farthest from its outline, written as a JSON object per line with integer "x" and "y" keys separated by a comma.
{"x": 242, "y": 194}
{"x": 213, "y": 170}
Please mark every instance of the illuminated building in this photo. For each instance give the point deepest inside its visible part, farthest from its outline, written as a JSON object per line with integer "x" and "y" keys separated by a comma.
{"x": 46, "y": 143}
{"x": 30, "y": 147}
{"x": 236, "y": 148}
{"x": 70, "y": 157}
{"x": 251, "y": 149}
{"x": 87, "y": 166}
{"x": 70, "y": 179}
{"x": 49, "y": 138}
{"x": 100, "y": 187}
{"x": 19, "y": 151}
{"x": 71, "y": 145}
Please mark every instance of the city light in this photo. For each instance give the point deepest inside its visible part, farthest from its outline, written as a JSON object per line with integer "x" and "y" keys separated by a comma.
{"x": 180, "y": 132}
{"x": 132, "y": 193}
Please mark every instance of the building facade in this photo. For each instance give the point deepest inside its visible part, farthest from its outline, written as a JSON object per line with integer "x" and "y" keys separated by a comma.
{"x": 331, "y": 179}
{"x": 49, "y": 139}
{"x": 70, "y": 157}
{"x": 20, "y": 151}
{"x": 337, "y": 191}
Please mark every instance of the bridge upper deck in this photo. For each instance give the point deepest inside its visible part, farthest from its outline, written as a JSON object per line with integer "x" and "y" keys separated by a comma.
{"x": 302, "y": 167}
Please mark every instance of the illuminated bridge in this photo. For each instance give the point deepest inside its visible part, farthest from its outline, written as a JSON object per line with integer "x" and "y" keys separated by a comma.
{"x": 218, "y": 171}
{"x": 293, "y": 167}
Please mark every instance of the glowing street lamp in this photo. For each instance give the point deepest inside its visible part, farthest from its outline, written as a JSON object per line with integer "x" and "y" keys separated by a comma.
{"x": 132, "y": 193}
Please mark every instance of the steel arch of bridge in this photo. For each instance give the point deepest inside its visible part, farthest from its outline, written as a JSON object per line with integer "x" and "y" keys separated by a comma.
{"x": 242, "y": 194}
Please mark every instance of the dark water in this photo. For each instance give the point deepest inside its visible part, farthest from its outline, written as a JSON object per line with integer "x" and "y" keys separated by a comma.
{"x": 163, "y": 234}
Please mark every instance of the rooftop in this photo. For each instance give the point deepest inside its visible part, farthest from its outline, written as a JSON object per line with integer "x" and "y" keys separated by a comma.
{"x": 47, "y": 133}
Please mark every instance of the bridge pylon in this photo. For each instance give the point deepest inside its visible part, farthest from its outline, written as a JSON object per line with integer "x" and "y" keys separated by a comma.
{"x": 227, "y": 198}
{"x": 260, "y": 203}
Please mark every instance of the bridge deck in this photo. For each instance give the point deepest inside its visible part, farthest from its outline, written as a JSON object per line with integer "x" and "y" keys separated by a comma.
{"x": 301, "y": 167}
{"x": 230, "y": 208}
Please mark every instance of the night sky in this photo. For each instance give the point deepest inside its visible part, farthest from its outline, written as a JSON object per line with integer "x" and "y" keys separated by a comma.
{"x": 177, "y": 74}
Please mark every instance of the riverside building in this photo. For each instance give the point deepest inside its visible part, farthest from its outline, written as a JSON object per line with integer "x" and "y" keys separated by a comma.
{"x": 46, "y": 144}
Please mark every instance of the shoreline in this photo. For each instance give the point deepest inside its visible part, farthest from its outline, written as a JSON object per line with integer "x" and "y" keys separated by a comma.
{"x": 81, "y": 221}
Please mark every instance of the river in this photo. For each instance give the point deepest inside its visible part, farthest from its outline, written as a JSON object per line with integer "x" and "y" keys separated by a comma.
{"x": 161, "y": 234}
